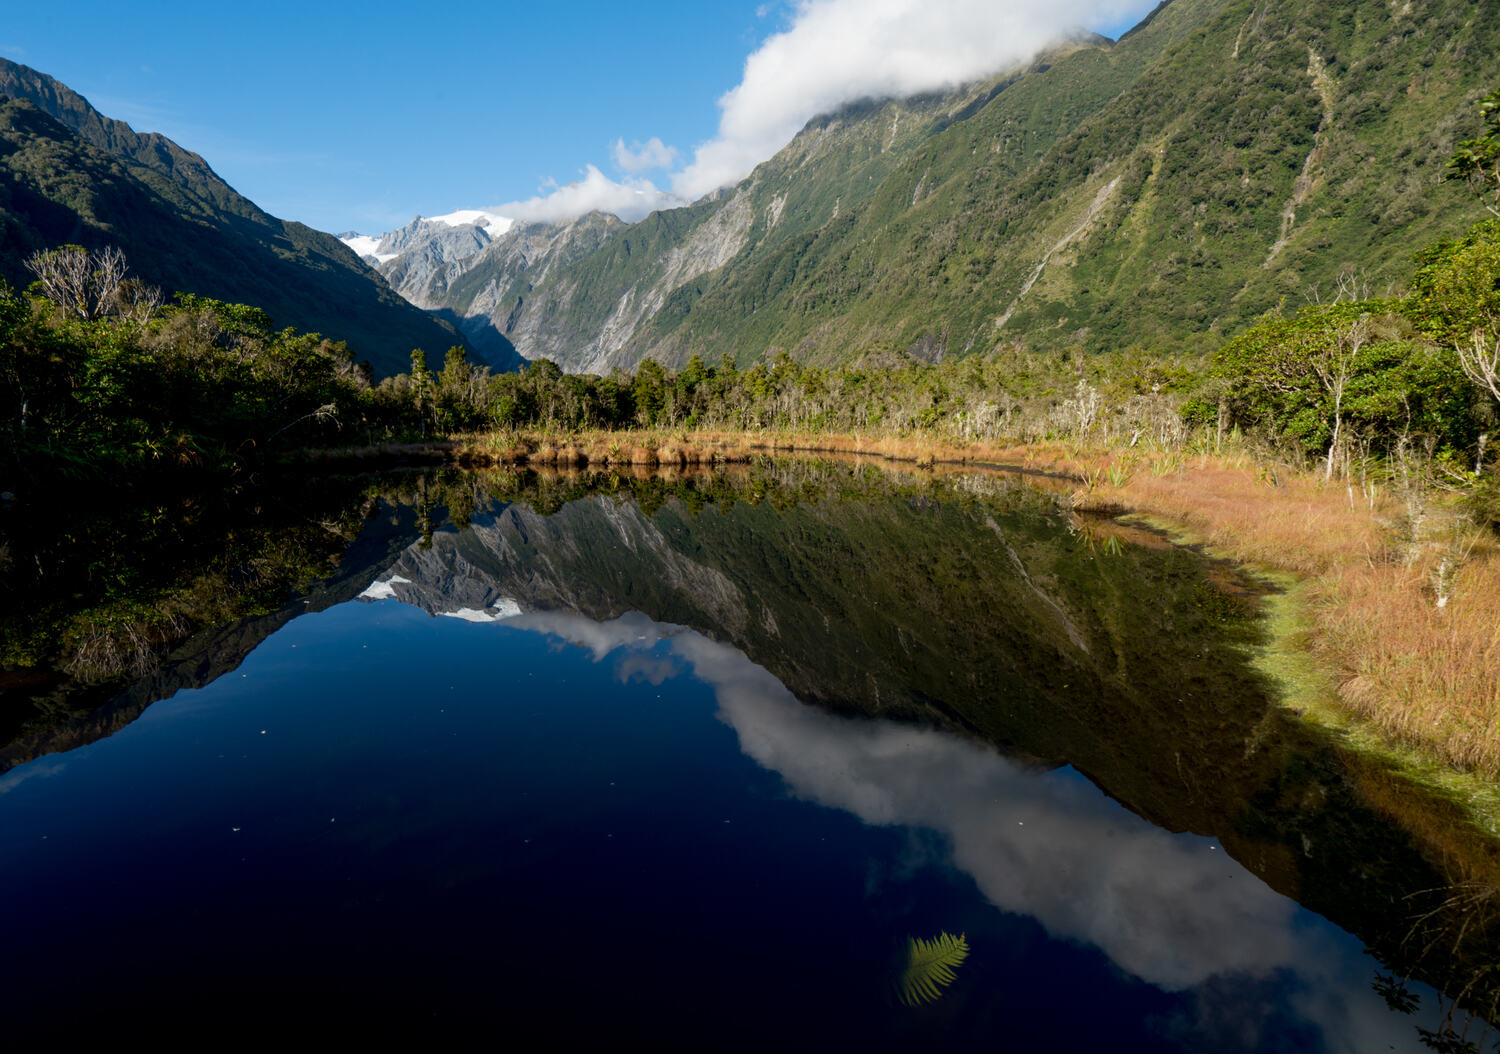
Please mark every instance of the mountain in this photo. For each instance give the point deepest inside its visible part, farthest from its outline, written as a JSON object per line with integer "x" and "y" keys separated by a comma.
{"x": 1223, "y": 158}
{"x": 70, "y": 174}
{"x": 426, "y": 243}
{"x": 431, "y": 251}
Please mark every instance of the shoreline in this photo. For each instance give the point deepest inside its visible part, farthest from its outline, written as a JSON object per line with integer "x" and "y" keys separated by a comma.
{"x": 1337, "y": 643}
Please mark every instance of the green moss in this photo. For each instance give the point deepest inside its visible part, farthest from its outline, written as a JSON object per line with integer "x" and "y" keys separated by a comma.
{"x": 1306, "y": 689}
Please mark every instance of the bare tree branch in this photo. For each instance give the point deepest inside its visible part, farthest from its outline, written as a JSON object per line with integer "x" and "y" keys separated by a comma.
{"x": 1480, "y": 360}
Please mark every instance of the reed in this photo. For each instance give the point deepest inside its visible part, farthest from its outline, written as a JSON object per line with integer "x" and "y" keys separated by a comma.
{"x": 1407, "y": 628}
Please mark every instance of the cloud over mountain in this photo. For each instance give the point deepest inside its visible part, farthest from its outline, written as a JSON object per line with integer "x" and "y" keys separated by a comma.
{"x": 631, "y": 199}
{"x": 837, "y": 51}
{"x": 832, "y": 52}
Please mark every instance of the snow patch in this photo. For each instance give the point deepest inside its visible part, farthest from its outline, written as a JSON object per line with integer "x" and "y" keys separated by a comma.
{"x": 385, "y": 590}
{"x": 362, "y": 244}
{"x": 492, "y": 222}
{"x": 469, "y": 615}
{"x": 501, "y": 609}
{"x": 365, "y": 245}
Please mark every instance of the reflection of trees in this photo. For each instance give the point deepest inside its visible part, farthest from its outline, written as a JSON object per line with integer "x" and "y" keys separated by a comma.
{"x": 968, "y": 603}
{"x": 1456, "y": 922}
{"x": 1397, "y": 996}
{"x": 96, "y": 594}
{"x": 1448, "y": 1037}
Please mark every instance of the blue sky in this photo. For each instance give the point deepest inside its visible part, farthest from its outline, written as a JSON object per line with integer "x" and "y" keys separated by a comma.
{"x": 358, "y": 117}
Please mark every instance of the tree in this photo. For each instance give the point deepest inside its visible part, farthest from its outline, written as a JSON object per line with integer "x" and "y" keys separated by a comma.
{"x": 1477, "y": 161}
{"x": 460, "y": 390}
{"x": 1334, "y": 364}
{"x": 1338, "y": 370}
{"x": 90, "y": 284}
{"x": 1480, "y": 360}
{"x": 649, "y": 390}
{"x": 421, "y": 386}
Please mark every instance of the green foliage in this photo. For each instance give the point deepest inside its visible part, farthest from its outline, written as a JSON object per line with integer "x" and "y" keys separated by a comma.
{"x": 69, "y": 174}
{"x": 1477, "y": 161}
{"x": 929, "y": 967}
{"x": 1358, "y": 365}
{"x": 1456, "y": 289}
{"x": 199, "y": 385}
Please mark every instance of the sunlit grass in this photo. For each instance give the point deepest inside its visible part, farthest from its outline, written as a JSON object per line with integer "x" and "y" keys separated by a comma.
{"x": 1374, "y": 635}
{"x": 1424, "y": 673}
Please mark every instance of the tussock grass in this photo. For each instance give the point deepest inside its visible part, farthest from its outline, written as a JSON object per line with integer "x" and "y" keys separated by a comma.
{"x": 646, "y": 447}
{"x": 1425, "y": 674}
{"x": 1422, "y": 675}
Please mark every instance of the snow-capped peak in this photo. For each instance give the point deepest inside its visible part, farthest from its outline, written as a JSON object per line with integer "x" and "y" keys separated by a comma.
{"x": 365, "y": 245}
{"x": 493, "y": 223}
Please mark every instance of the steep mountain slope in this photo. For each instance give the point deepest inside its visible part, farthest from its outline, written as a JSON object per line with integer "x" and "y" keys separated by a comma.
{"x": 633, "y": 296}
{"x": 1273, "y": 150}
{"x": 586, "y": 296}
{"x": 1223, "y": 158}
{"x": 69, "y": 174}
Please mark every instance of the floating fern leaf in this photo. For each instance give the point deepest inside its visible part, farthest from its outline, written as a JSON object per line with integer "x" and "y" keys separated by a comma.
{"x": 930, "y": 966}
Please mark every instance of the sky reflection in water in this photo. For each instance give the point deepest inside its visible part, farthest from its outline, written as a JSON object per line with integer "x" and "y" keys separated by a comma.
{"x": 374, "y": 786}
{"x": 1172, "y": 910}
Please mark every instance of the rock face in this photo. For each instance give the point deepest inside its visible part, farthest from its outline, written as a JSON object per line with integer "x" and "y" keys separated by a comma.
{"x": 429, "y": 252}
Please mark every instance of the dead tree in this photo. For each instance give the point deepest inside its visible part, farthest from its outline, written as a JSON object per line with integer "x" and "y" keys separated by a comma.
{"x": 91, "y": 284}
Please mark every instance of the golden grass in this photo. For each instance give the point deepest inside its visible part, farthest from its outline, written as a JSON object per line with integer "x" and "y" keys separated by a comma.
{"x": 536, "y": 446}
{"x": 1425, "y": 674}
{"x": 602, "y": 449}
{"x": 1422, "y": 675}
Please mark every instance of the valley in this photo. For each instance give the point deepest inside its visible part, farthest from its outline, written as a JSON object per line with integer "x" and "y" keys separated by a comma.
{"x": 1030, "y": 539}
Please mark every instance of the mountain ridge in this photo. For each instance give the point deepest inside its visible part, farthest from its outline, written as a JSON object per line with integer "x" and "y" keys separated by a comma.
{"x": 1223, "y": 158}
{"x": 68, "y": 174}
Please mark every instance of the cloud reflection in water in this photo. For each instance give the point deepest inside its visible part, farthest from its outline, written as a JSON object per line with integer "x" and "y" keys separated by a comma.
{"x": 1172, "y": 910}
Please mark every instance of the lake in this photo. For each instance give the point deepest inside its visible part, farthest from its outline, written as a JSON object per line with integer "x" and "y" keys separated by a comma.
{"x": 800, "y": 753}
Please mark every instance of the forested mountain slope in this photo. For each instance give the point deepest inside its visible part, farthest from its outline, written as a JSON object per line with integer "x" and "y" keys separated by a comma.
{"x": 1224, "y": 158}
{"x": 69, "y": 174}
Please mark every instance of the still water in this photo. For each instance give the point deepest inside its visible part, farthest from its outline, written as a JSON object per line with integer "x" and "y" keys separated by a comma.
{"x": 696, "y": 761}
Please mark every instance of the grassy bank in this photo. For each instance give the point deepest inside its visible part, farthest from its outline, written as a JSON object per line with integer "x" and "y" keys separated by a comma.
{"x": 1401, "y": 606}
{"x": 1397, "y": 603}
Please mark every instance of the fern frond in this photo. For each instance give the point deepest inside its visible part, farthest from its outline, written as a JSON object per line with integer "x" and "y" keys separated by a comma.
{"x": 930, "y": 966}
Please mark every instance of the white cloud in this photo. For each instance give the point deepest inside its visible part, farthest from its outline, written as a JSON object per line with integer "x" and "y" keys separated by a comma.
{"x": 630, "y": 200}
{"x": 838, "y": 51}
{"x": 17, "y": 776}
{"x": 1174, "y": 910}
{"x": 832, "y": 52}
{"x": 639, "y": 156}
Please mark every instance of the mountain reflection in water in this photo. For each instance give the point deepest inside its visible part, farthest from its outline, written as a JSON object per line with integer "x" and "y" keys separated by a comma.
{"x": 1024, "y": 711}
{"x": 1172, "y": 910}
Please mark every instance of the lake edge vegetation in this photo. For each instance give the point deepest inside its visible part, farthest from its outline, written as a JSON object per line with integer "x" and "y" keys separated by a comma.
{"x": 1348, "y": 443}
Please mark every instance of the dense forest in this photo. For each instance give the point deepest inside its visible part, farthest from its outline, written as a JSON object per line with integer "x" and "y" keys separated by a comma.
{"x": 105, "y": 381}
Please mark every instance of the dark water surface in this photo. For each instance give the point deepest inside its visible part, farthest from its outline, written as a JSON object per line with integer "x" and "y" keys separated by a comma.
{"x": 693, "y": 760}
